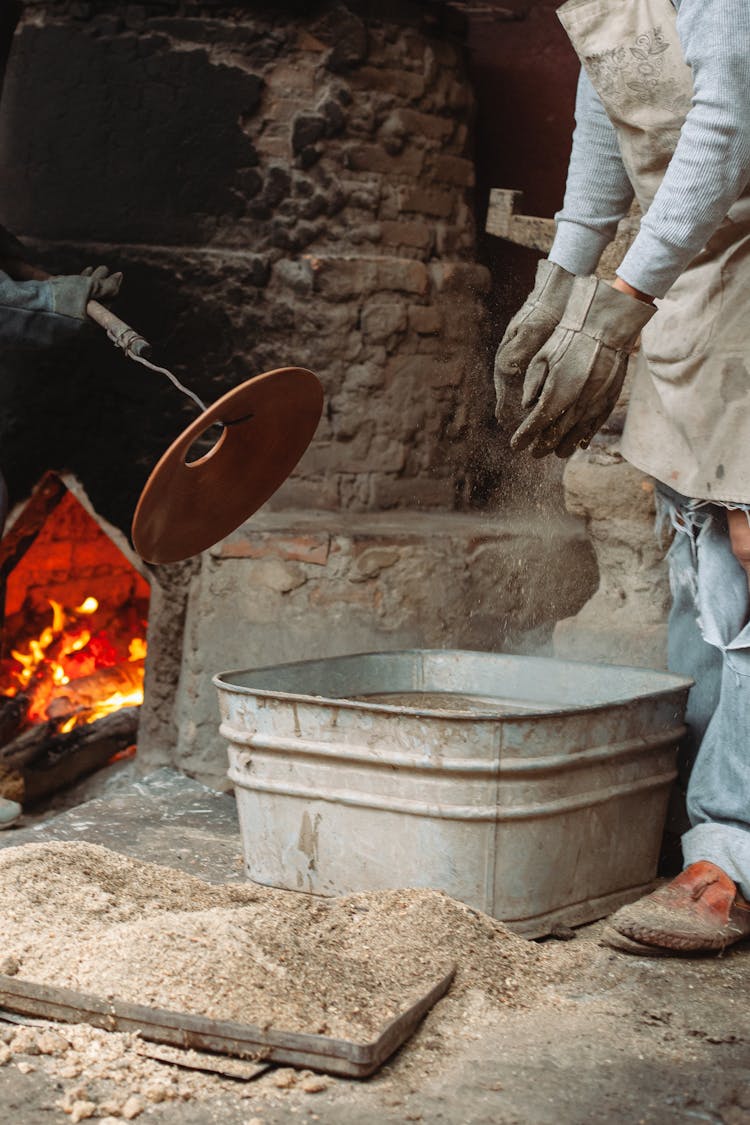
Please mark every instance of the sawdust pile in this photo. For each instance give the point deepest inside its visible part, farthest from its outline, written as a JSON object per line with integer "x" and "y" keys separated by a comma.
{"x": 82, "y": 917}
{"x": 102, "y": 1072}
{"x": 110, "y": 1076}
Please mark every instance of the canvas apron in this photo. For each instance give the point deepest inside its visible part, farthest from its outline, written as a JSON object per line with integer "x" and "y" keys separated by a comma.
{"x": 688, "y": 422}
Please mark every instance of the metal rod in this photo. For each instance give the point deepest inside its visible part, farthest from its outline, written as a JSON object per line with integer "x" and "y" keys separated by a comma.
{"x": 120, "y": 333}
{"x": 127, "y": 339}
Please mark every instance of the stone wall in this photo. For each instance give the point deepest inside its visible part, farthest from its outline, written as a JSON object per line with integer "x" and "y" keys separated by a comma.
{"x": 282, "y": 184}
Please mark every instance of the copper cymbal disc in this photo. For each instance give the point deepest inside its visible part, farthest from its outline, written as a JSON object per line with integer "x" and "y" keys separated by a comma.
{"x": 186, "y": 507}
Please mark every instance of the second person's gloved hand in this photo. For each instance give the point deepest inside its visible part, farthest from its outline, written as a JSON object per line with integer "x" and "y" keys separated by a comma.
{"x": 43, "y": 311}
{"x": 531, "y": 327}
{"x": 104, "y": 285}
{"x": 72, "y": 292}
{"x": 574, "y": 380}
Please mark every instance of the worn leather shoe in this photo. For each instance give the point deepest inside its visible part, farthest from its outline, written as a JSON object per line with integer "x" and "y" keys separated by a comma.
{"x": 698, "y": 911}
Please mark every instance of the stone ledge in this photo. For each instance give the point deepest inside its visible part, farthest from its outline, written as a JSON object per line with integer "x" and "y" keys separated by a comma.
{"x": 406, "y": 523}
{"x": 296, "y": 585}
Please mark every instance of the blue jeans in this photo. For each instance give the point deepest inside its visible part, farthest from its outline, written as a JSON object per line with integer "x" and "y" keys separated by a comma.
{"x": 709, "y": 640}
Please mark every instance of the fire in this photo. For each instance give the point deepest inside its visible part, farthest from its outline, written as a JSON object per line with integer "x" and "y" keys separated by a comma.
{"x": 137, "y": 649}
{"x": 79, "y": 668}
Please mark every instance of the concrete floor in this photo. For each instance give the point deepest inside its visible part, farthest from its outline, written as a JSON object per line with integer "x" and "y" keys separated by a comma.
{"x": 624, "y": 1040}
{"x": 615, "y": 1038}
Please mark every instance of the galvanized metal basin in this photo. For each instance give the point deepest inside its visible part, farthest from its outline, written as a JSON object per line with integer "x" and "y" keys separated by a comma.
{"x": 531, "y": 788}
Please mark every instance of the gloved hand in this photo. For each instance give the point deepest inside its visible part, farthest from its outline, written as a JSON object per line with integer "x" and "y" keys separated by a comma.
{"x": 43, "y": 311}
{"x": 575, "y": 379}
{"x": 104, "y": 285}
{"x": 532, "y": 326}
{"x": 71, "y": 293}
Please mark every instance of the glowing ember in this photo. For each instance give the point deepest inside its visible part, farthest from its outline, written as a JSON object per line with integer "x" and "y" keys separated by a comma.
{"x": 137, "y": 649}
{"x": 79, "y": 668}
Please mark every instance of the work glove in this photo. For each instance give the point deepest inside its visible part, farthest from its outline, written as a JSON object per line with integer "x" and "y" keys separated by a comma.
{"x": 573, "y": 382}
{"x": 39, "y": 313}
{"x": 71, "y": 293}
{"x": 531, "y": 327}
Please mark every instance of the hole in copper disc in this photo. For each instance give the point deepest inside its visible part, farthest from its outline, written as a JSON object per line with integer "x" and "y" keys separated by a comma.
{"x": 206, "y": 444}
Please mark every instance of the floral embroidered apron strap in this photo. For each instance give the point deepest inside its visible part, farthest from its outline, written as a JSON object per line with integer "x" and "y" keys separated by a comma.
{"x": 632, "y": 54}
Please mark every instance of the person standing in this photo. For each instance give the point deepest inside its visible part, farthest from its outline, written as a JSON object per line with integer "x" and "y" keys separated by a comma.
{"x": 663, "y": 114}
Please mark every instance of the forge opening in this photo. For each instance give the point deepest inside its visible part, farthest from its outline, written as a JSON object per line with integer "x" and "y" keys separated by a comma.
{"x": 74, "y": 610}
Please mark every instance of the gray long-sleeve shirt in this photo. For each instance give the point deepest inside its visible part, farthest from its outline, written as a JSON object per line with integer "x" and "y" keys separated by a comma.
{"x": 708, "y": 172}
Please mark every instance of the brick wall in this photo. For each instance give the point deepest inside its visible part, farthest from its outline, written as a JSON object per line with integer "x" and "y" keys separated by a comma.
{"x": 286, "y": 184}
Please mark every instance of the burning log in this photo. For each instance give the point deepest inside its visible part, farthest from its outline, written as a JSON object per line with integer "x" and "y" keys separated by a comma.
{"x": 43, "y": 759}
{"x": 88, "y": 692}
